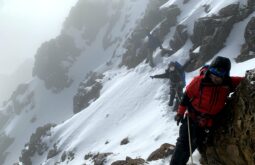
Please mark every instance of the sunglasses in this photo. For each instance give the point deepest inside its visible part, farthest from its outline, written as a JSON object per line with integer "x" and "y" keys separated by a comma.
{"x": 218, "y": 71}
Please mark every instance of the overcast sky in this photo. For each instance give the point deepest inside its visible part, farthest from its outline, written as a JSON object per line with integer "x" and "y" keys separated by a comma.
{"x": 25, "y": 24}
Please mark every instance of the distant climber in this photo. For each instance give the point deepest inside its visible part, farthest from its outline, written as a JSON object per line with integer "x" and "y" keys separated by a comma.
{"x": 202, "y": 102}
{"x": 153, "y": 43}
{"x": 176, "y": 75}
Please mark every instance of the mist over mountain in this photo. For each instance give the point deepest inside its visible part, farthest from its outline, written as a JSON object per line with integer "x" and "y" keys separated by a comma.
{"x": 91, "y": 99}
{"x": 8, "y": 83}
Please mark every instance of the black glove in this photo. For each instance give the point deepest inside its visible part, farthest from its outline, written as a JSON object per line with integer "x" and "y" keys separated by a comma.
{"x": 152, "y": 77}
{"x": 178, "y": 118}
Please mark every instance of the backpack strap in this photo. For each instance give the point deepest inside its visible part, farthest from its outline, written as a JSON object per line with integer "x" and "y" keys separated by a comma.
{"x": 227, "y": 82}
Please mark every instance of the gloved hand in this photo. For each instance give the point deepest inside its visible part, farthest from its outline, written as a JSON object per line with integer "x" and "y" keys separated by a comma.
{"x": 152, "y": 77}
{"x": 178, "y": 118}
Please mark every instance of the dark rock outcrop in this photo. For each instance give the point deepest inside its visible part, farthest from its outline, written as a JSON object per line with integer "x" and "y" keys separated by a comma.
{"x": 229, "y": 11}
{"x": 35, "y": 144}
{"x": 206, "y": 8}
{"x": 209, "y": 36}
{"x": 99, "y": 158}
{"x": 248, "y": 48}
{"x": 53, "y": 152}
{"x": 210, "y": 33}
{"x": 67, "y": 156}
{"x": 88, "y": 91}
{"x": 211, "y": 26}
{"x": 136, "y": 49}
{"x": 170, "y": 19}
{"x": 135, "y": 45}
{"x": 164, "y": 151}
{"x": 249, "y": 32}
{"x": 180, "y": 37}
{"x": 129, "y": 161}
{"x": 234, "y": 142}
{"x": 124, "y": 141}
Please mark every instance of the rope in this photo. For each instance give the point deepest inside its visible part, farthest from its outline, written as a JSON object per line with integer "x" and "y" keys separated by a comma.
{"x": 190, "y": 149}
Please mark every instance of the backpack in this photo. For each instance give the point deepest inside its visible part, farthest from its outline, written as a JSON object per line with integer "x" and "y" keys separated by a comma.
{"x": 179, "y": 67}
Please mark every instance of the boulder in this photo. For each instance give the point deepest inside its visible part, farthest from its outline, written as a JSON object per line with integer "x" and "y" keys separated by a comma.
{"x": 180, "y": 37}
{"x": 124, "y": 141}
{"x": 129, "y": 161}
{"x": 170, "y": 20}
{"x": 209, "y": 35}
{"x": 230, "y": 10}
{"x": 99, "y": 158}
{"x": 248, "y": 48}
{"x": 162, "y": 152}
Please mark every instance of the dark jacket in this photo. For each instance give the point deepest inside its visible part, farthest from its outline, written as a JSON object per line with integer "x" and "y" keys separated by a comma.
{"x": 174, "y": 76}
{"x": 153, "y": 42}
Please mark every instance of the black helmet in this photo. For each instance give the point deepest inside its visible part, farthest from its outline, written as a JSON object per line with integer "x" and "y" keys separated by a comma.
{"x": 220, "y": 66}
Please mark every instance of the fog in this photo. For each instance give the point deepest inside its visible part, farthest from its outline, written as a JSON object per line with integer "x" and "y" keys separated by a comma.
{"x": 24, "y": 26}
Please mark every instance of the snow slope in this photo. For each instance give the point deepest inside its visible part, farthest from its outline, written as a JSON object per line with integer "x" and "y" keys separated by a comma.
{"x": 131, "y": 104}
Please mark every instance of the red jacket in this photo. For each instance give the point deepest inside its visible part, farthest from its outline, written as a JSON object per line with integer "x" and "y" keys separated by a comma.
{"x": 205, "y": 97}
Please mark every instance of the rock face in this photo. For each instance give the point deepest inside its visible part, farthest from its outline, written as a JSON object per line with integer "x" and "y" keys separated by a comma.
{"x": 248, "y": 48}
{"x": 135, "y": 45}
{"x": 234, "y": 143}
{"x": 35, "y": 145}
{"x": 88, "y": 91}
{"x": 180, "y": 37}
{"x": 210, "y": 33}
{"x": 170, "y": 19}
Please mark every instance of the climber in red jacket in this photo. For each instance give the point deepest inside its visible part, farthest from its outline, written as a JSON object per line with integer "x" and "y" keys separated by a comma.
{"x": 204, "y": 98}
